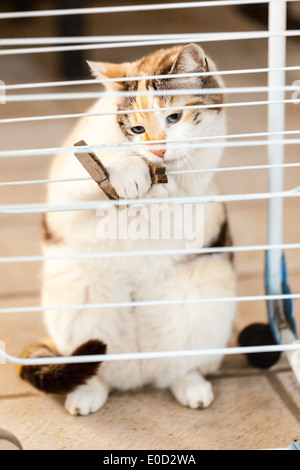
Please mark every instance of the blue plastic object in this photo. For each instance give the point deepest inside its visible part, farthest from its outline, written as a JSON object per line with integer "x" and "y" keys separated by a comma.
{"x": 294, "y": 446}
{"x": 280, "y": 311}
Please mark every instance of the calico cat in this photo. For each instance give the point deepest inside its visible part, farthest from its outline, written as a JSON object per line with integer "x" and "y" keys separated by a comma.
{"x": 174, "y": 277}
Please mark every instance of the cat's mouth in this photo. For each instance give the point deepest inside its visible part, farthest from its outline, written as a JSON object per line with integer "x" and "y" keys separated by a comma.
{"x": 175, "y": 163}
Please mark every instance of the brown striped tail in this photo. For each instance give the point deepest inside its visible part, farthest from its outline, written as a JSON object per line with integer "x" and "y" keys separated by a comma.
{"x": 61, "y": 378}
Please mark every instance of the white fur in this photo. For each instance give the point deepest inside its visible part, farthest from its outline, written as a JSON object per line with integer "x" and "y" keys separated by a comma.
{"x": 193, "y": 390}
{"x": 175, "y": 327}
{"x": 88, "y": 397}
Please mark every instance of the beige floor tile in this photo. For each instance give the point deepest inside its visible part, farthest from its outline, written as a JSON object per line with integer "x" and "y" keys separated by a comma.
{"x": 289, "y": 389}
{"x": 240, "y": 418}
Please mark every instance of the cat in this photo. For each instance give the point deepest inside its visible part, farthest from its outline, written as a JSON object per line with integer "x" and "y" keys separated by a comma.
{"x": 182, "y": 326}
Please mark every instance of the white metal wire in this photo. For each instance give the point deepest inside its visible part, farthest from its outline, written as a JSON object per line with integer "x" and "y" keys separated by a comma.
{"x": 207, "y": 37}
{"x": 210, "y": 170}
{"x": 137, "y": 147}
{"x": 147, "y": 355}
{"x": 156, "y": 110}
{"x": 276, "y": 123}
{"x": 129, "y": 254}
{"x": 94, "y": 81}
{"x": 131, "y": 8}
{"x": 87, "y": 40}
{"x": 133, "y": 94}
{"x": 67, "y": 40}
{"x": 147, "y": 303}
{"x": 80, "y": 206}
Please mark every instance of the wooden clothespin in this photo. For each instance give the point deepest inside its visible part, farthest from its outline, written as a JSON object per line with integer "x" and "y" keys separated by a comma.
{"x": 158, "y": 174}
{"x": 96, "y": 170}
{"x": 93, "y": 165}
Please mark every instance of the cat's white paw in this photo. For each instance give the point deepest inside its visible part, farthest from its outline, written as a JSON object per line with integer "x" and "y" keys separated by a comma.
{"x": 193, "y": 391}
{"x": 132, "y": 181}
{"x": 87, "y": 398}
{"x": 159, "y": 191}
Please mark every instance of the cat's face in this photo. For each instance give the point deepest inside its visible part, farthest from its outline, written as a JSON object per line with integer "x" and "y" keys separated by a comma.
{"x": 142, "y": 126}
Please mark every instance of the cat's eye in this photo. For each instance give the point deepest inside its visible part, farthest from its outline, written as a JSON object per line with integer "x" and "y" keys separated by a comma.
{"x": 173, "y": 118}
{"x": 138, "y": 129}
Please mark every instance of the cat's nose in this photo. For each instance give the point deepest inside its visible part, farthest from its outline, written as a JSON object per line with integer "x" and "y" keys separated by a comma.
{"x": 159, "y": 153}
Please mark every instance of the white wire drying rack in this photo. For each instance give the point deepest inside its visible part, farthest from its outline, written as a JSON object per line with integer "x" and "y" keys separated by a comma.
{"x": 275, "y": 139}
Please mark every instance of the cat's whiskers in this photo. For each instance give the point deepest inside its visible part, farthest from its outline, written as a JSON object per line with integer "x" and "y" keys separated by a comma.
{"x": 191, "y": 163}
{"x": 194, "y": 165}
{"x": 180, "y": 175}
{"x": 209, "y": 179}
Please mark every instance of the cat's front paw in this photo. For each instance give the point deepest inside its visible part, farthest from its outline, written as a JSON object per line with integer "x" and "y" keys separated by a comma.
{"x": 87, "y": 398}
{"x": 132, "y": 181}
{"x": 193, "y": 391}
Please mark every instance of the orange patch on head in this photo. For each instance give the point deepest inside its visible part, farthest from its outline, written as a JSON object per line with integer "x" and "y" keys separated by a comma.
{"x": 188, "y": 115}
{"x": 135, "y": 115}
{"x": 141, "y": 103}
{"x": 158, "y": 136}
{"x": 149, "y": 120}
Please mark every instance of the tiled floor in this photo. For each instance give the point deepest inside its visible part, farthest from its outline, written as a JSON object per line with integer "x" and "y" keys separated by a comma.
{"x": 252, "y": 409}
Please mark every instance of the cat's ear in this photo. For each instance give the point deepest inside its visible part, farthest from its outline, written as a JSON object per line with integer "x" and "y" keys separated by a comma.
{"x": 191, "y": 59}
{"x": 104, "y": 70}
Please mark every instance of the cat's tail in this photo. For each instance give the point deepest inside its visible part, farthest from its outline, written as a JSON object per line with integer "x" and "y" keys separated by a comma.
{"x": 60, "y": 378}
